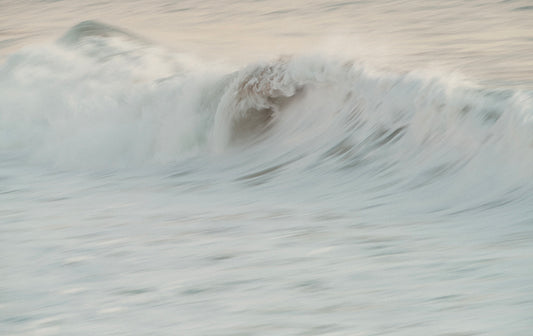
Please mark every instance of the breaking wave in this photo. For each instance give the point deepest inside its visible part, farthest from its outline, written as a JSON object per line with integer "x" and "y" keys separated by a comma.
{"x": 103, "y": 97}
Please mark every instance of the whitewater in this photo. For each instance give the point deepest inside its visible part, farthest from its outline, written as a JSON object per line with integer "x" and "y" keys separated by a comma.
{"x": 266, "y": 168}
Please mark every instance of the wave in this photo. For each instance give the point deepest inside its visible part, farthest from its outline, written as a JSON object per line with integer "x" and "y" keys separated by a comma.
{"x": 91, "y": 31}
{"x": 103, "y": 97}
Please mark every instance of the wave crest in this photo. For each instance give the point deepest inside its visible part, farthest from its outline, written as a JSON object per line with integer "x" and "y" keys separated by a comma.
{"x": 95, "y": 29}
{"x": 252, "y": 102}
{"x": 145, "y": 105}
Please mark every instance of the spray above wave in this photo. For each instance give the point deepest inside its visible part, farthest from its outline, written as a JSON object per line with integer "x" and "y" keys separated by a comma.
{"x": 102, "y": 100}
{"x": 102, "y": 97}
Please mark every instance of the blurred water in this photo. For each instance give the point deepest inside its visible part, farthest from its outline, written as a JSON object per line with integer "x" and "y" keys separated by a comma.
{"x": 487, "y": 40}
{"x": 266, "y": 168}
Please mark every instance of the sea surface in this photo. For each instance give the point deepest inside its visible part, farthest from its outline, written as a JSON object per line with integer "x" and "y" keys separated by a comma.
{"x": 355, "y": 168}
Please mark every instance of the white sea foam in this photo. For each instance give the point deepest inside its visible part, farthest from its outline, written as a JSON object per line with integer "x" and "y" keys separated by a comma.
{"x": 101, "y": 97}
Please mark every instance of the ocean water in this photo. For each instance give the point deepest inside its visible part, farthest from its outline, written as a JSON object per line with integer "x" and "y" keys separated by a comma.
{"x": 266, "y": 168}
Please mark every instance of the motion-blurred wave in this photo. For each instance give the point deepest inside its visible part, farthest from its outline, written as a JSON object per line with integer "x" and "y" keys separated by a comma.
{"x": 104, "y": 97}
